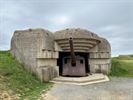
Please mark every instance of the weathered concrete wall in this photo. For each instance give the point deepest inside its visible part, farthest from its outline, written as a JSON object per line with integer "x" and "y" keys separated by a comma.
{"x": 100, "y": 58}
{"x": 46, "y": 73}
{"x": 57, "y": 47}
{"x": 42, "y": 62}
{"x": 30, "y": 46}
{"x": 104, "y": 46}
{"x": 47, "y": 54}
{"x": 47, "y": 65}
{"x": 24, "y": 46}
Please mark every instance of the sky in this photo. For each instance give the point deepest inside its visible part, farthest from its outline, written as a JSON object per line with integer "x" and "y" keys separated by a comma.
{"x": 111, "y": 19}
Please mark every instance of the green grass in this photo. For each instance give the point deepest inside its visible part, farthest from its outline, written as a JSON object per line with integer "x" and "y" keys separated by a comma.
{"x": 124, "y": 57}
{"x": 17, "y": 81}
{"x": 122, "y": 66}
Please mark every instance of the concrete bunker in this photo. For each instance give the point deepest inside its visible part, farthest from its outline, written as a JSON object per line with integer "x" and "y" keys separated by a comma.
{"x": 69, "y": 52}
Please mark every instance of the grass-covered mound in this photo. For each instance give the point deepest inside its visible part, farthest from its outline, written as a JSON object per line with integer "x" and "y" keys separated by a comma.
{"x": 125, "y": 57}
{"x": 16, "y": 82}
{"x": 122, "y": 66}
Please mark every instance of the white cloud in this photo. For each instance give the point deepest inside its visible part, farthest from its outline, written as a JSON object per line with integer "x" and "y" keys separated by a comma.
{"x": 112, "y": 19}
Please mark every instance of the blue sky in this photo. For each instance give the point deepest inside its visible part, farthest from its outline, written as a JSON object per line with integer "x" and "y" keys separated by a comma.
{"x": 111, "y": 19}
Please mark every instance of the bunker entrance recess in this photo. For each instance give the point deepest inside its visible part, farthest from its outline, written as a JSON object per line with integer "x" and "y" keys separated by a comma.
{"x": 80, "y": 69}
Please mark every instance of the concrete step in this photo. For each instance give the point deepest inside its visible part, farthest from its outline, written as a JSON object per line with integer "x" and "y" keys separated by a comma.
{"x": 90, "y": 79}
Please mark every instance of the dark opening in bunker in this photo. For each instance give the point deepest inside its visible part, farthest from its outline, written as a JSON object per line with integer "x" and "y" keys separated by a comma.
{"x": 67, "y": 69}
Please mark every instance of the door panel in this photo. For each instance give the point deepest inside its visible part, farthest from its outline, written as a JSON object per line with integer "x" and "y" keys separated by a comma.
{"x": 78, "y": 70}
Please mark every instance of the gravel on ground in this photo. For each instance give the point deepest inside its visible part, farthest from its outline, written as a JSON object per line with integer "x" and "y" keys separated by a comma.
{"x": 116, "y": 89}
